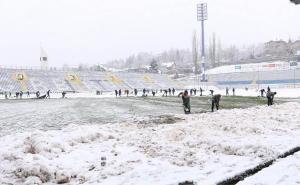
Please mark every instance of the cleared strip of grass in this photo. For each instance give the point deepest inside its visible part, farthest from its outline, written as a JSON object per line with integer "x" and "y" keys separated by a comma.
{"x": 203, "y": 102}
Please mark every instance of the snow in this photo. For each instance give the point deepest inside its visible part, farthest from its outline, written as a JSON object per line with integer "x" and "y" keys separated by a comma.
{"x": 284, "y": 171}
{"x": 205, "y": 148}
{"x": 168, "y": 64}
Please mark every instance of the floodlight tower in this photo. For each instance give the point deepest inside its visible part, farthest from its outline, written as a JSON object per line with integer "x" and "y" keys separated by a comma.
{"x": 202, "y": 16}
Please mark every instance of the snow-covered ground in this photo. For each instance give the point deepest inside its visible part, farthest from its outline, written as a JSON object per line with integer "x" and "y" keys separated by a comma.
{"x": 205, "y": 148}
{"x": 284, "y": 171}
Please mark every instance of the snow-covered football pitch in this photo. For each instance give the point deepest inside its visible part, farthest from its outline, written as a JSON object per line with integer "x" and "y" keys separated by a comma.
{"x": 148, "y": 141}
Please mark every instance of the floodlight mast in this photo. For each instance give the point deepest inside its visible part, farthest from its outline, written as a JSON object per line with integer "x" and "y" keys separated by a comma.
{"x": 202, "y": 16}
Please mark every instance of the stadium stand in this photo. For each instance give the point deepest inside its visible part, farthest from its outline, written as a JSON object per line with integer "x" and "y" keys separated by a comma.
{"x": 255, "y": 75}
{"x": 13, "y": 80}
{"x": 7, "y": 82}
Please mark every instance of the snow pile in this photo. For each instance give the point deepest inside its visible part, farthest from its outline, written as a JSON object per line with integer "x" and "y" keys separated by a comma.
{"x": 205, "y": 148}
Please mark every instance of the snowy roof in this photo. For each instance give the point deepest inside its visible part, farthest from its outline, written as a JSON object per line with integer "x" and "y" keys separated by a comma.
{"x": 167, "y": 64}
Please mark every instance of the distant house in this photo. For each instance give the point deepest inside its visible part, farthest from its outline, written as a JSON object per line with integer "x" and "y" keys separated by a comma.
{"x": 168, "y": 67}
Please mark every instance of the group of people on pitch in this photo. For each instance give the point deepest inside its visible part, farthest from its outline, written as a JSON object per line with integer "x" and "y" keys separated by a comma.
{"x": 215, "y": 99}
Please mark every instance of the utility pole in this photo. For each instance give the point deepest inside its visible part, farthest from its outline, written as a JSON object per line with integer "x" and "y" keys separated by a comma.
{"x": 202, "y": 16}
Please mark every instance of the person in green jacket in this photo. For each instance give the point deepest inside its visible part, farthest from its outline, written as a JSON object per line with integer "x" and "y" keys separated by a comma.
{"x": 186, "y": 101}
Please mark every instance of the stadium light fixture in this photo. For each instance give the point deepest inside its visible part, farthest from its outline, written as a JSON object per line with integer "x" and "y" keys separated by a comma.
{"x": 201, "y": 17}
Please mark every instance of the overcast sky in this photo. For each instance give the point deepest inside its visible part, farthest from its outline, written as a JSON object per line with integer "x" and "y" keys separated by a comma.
{"x": 95, "y": 31}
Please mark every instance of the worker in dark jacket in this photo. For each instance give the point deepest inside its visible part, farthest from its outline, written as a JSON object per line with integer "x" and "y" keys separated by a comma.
{"x": 165, "y": 92}
{"x": 153, "y": 93}
{"x": 173, "y": 91}
{"x": 48, "y": 94}
{"x": 201, "y": 90}
{"x": 37, "y": 94}
{"x": 135, "y": 92}
{"x": 63, "y": 94}
{"x": 127, "y": 92}
{"x": 191, "y": 92}
{"x": 262, "y": 91}
{"x": 215, "y": 100}
{"x": 186, "y": 101}
{"x": 120, "y": 92}
{"x": 270, "y": 97}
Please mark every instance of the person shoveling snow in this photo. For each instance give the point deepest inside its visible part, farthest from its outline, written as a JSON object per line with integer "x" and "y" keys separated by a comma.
{"x": 186, "y": 101}
{"x": 215, "y": 100}
{"x": 270, "y": 97}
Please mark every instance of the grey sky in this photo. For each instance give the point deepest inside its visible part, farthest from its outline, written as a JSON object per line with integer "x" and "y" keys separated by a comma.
{"x": 95, "y": 31}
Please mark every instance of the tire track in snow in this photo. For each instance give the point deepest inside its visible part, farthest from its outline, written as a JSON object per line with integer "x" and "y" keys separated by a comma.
{"x": 241, "y": 176}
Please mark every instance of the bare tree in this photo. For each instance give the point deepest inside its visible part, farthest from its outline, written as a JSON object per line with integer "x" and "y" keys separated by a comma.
{"x": 212, "y": 50}
{"x": 219, "y": 53}
{"x": 154, "y": 66}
